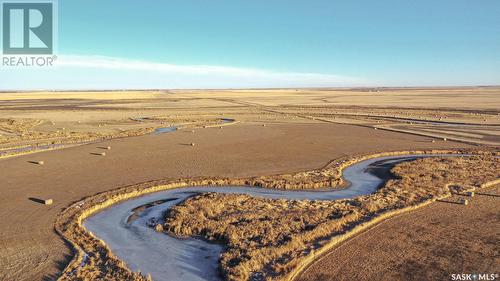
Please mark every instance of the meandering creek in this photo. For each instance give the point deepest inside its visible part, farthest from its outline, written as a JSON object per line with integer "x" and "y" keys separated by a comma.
{"x": 125, "y": 227}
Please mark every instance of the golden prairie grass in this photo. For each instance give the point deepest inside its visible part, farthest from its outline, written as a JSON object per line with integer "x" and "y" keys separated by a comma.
{"x": 18, "y": 126}
{"x": 93, "y": 260}
{"x": 268, "y": 238}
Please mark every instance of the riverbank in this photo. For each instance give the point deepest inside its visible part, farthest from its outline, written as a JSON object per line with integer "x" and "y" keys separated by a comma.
{"x": 274, "y": 239}
{"x": 69, "y": 223}
{"x": 141, "y": 245}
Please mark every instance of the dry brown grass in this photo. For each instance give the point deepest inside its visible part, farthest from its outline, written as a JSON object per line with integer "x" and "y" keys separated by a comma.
{"x": 17, "y": 126}
{"x": 22, "y": 133}
{"x": 267, "y": 238}
{"x": 94, "y": 261}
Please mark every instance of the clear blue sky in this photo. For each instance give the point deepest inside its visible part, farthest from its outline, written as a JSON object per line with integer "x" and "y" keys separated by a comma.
{"x": 351, "y": 42}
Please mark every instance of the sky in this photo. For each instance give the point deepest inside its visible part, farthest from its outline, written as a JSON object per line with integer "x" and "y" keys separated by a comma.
{"x": 137, "y": 44}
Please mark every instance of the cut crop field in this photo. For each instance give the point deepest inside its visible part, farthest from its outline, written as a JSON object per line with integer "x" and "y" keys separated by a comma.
{"x": 52, "y": 145}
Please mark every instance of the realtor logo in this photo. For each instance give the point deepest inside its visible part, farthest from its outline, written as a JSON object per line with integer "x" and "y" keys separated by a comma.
{"x": 27, "y": 28}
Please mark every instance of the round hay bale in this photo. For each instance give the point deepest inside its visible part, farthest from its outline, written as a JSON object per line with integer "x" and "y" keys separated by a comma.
{"x": 445, "y": 139}
{"x": 192, "y": 144}
{"x": 464, "y": 201}
{"x": 471, "y": 194}
{"x": 108, "y": 147}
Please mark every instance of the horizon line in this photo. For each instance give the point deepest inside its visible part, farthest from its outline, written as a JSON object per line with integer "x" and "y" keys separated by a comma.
{"x": 414, "y": 87}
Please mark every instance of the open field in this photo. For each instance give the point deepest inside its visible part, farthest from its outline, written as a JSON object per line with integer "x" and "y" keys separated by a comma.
{"x": 36, "y": 119}
{"x": 302, "y": 132}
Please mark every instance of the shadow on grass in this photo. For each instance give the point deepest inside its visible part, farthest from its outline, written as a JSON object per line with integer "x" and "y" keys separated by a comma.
{"x": 37, "y": 200}
{"x": 186, "y": 144}
{"x": 487, "y": 194}
{"x": 448, "y": 201}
